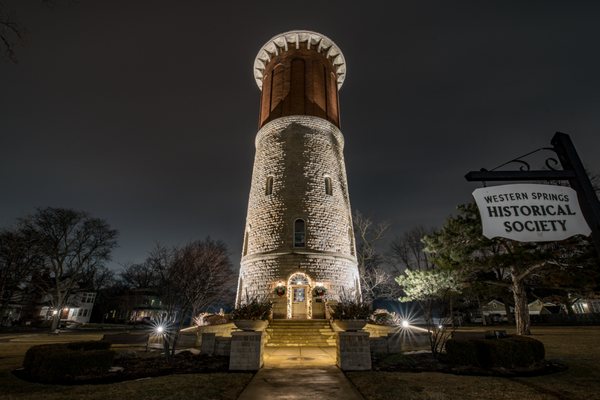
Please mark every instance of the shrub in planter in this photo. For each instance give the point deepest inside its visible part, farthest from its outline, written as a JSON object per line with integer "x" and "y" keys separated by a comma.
{"x": 253, "y": 309}
{"x": 510, "y": 352}
{"x": 55, "y": 363}
{"x": 351, "y": 309}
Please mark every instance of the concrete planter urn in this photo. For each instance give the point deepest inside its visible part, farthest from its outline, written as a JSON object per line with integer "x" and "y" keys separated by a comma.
{"x": 350, "y": 325}
{"x": 251, "y": 325}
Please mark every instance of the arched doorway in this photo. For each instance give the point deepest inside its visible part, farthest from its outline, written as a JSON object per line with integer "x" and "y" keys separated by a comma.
{"x": 299, "y": 296}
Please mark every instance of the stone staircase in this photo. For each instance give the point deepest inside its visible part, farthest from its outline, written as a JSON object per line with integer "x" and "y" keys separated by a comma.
{"x": 295, "y": 332}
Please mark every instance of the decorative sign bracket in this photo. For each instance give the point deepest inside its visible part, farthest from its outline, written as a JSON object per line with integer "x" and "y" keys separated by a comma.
{"x": 572, "y": 171}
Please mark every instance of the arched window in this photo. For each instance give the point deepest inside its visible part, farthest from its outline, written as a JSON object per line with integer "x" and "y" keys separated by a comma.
{"x": 299, "y": 233}
{"x": 269, "y": 186}
{"x": 328, "y": 187}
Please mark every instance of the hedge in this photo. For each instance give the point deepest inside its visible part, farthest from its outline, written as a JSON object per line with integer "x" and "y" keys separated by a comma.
{"x": 61, "y": 362}
{"x": 510, "y": 352}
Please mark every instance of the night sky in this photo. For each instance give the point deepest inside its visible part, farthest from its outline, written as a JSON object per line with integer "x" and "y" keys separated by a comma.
{"x": 144, "y": 112}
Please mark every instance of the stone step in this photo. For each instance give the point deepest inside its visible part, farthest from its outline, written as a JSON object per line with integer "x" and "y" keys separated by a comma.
{"x": 299, "y": 339}
{"x": 299, "y": 330}
{"x": 286, "y": 326}
{"x": 299, "y": 321}
{"x": 294, "y": 333}
{"x": 291, "y": 325}
{"x": 301, "y": 343}
{"x": 300, "y": 333}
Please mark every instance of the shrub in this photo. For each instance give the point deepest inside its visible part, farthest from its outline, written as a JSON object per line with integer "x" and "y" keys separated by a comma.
{"x": 350, "y": 309}
{"x": 36, "y": 353}
{"x": 53, "y": 363}
{"x": 89, "y": 345}
{"x": 510, "y": 352}
{"x": 254, "y": 308}
{"x": 216, "y": 319}
{"x": 384, "y": 317}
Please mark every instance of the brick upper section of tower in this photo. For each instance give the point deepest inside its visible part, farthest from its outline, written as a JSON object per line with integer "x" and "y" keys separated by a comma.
{"x": 299, "y": 73}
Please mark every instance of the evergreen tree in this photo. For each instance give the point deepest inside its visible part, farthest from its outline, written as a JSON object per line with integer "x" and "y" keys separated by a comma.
{"x": 460, "y": 245}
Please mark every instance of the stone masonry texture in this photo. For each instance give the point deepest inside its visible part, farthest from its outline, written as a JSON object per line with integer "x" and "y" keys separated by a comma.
{"x": 298, "y": 153}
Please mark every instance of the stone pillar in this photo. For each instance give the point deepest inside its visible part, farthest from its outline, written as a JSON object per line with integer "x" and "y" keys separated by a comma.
{"x": 353, "y": 351}
{"x": 246, "y": 351}
{"x": 222, "y": 346}
{"x": 208, "y": 344}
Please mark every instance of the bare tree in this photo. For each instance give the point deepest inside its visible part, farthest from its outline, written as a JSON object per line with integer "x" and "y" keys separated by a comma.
{"x": 374, "y": 279}
{"x": 16, "y": 263}
{"x": 139, "y": 276}
{"x": 69, "y": 244}
{"x": 11, "y": 33}
{"x": 191, "y": 279}
{"x": 407, "y": 251}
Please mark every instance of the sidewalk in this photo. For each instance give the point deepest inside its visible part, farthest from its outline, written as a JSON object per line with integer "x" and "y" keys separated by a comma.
{"x": 299, "y": 357}
{"x": 323, "y": 383}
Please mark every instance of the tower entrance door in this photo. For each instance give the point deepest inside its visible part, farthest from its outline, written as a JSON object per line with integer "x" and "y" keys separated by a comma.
{"x": 299, "y": 301}
{"x": 299, "y": 296}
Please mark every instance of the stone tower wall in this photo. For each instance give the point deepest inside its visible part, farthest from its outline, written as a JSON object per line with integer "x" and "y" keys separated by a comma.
{"x": 298, "y": 152}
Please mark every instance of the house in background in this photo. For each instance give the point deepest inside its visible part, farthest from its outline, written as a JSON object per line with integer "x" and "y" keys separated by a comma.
{"x": 587, "y": 306}
{"x": 135, "y": 306}
{"x": 495, "y": 311}
{"x": 538, "y": 307}
{"x": 78, "y": 308}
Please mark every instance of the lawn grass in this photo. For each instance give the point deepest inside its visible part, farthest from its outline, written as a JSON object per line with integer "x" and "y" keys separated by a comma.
{"x": 211, "y": 386}
{"x": 578, "y": 347}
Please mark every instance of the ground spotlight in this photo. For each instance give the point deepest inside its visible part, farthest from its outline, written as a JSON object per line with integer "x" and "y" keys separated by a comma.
{"x": 405, "y": 324}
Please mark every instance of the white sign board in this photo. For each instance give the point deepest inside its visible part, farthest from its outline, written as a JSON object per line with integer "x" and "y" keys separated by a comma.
{"x": 530, "y": 213}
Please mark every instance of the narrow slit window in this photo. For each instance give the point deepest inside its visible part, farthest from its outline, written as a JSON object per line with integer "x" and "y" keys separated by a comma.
{"x": 299, "y": 233}
{"x": 269, "y": 186}
{"x": 245, "y": 244}
{"x": 328, "y": 187}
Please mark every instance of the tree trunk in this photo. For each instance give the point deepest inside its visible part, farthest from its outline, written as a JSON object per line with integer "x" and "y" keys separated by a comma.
{"x": 166, "y": 346}
{"x": 523, "y": 324}
{"x": 481, "y": 311}
{"x": 58, "y": 309}
{"x": 569, "y": 306}
{"x": 55, "y": 322}
{"x": 451, "y": 312}
{"x": 509, "y": 315}
{"x": 176, "y": 336}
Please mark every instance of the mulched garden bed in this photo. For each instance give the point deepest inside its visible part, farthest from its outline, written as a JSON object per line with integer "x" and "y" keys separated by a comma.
{"x": 425, "y": 362}
{"x": 133, "y": 365}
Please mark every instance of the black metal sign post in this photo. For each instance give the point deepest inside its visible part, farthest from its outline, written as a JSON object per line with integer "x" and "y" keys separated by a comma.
{"x": 572, "y": 171}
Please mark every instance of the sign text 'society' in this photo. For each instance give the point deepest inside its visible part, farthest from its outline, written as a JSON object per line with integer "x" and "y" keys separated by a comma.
{"x": 530, "y": 213}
